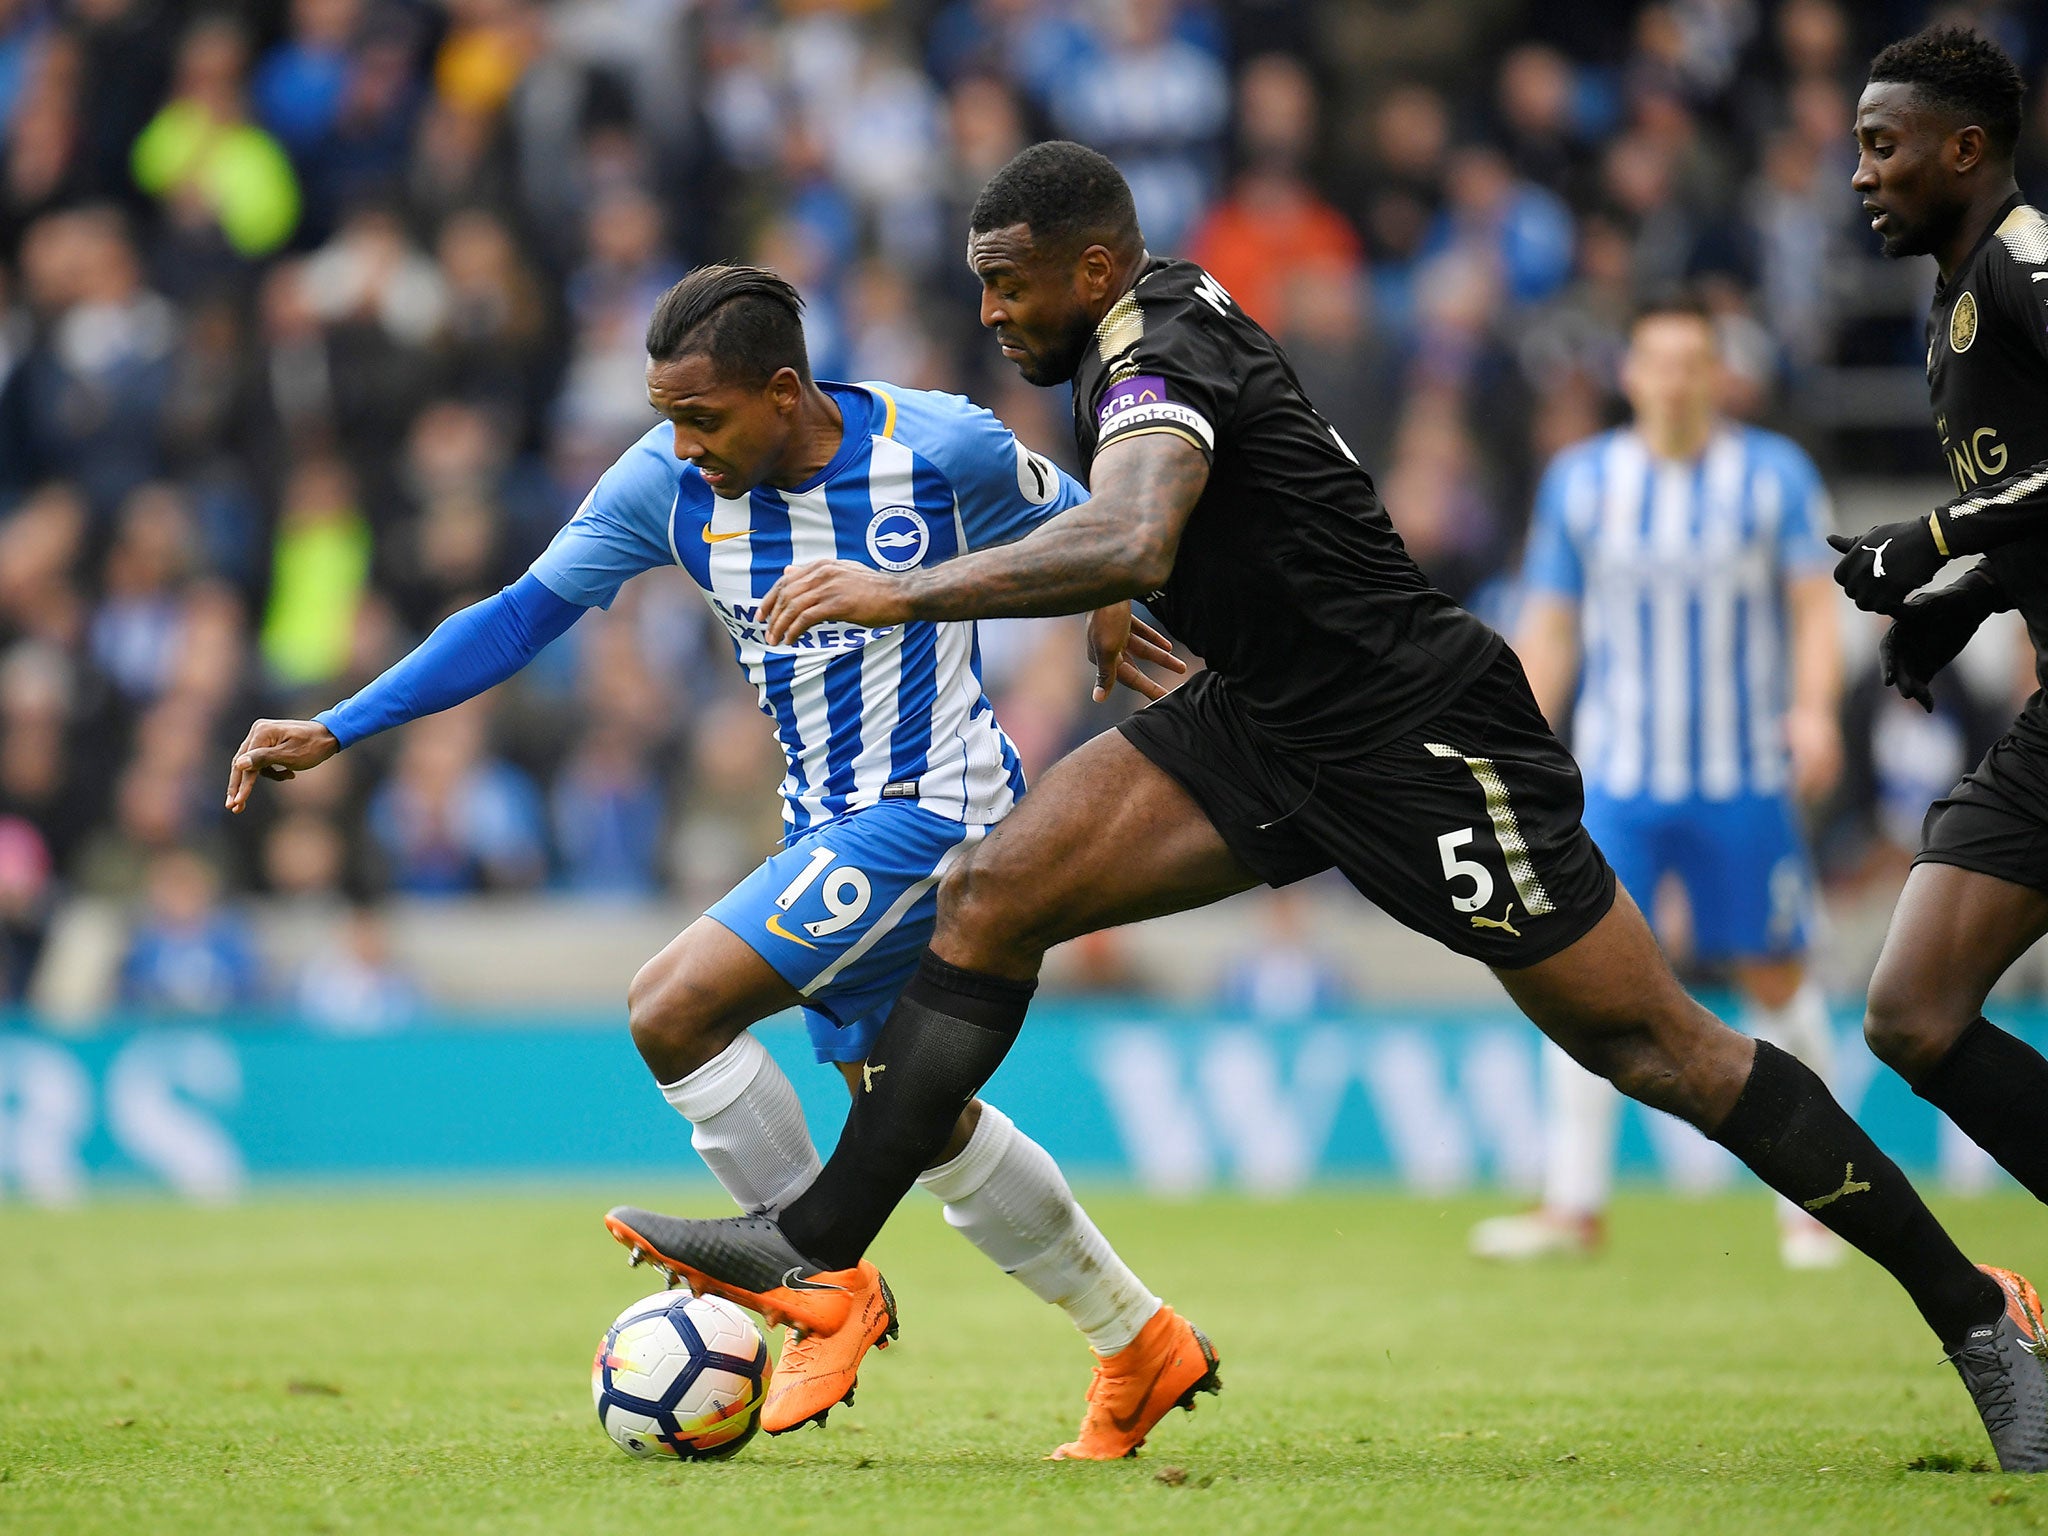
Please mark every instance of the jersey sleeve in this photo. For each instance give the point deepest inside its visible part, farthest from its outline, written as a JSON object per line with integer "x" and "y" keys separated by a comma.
{"x": 1550, "y": 565}
{"x": 1002, "y": 488}
{"x": 468, "y": 652}
{"x": 2019, "y": 282}
{"x": 620, "y": 530}
{"x": 1174, "y": 371}
{"x": 1805, "y": 519}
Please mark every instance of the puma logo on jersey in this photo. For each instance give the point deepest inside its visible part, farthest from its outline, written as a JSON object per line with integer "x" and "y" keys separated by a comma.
{"x": 1504, "y": 922}
{"x": 1877, "y": 550}
{"x": 1851, "y": 1185}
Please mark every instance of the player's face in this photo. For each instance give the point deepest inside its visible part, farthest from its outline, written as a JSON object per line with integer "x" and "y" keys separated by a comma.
{"x": 1909, "y": 189}
{"x": 735, "y": 433}
{"x": 1672, "y": 373}
{"x": 1037, "y": 305}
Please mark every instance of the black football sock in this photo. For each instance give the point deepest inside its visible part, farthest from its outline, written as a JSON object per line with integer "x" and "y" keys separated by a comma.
{"x": 947, "y": 1034}
{"x": 1995, "y": 1088}
{"x": 1798, "y": 1140}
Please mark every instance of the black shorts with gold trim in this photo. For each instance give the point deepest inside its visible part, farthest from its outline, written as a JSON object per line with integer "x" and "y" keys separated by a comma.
{"x": 1466, "y": 828}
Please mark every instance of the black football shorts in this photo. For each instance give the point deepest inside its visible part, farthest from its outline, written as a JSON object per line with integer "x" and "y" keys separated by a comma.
{"x": 1996, "y": 821}
{"x": 1466, "y": 828}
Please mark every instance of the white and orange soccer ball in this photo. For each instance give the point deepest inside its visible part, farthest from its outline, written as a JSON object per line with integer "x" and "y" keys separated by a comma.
{"x": 680, "y": 1376}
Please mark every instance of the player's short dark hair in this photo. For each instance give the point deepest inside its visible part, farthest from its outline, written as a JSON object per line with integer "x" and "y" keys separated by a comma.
{"x": 1068, "y": 194}
{"x": 1680, "y": 303}
{"x": 748, "y": 321}
{"x": 1963, "y": 72}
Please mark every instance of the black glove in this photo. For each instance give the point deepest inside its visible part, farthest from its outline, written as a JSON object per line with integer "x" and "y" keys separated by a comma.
{"x": 1930, "y": 631}
{"x": 1887, "y": 565}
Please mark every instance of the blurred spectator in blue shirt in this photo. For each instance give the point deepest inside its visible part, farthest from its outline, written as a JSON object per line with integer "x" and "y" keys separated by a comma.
{"x": 353, "y": 987}
{"x": 1033, "y": 43}
{"x": 297, "y": 89}
{"x": 136, "y": 629}
{"x": 364, "y": 150}
{"x": 93, "y": 389}
{"x": 604, "y": 393}
{"x": 1158, "y": 106}
{"x": 188, "y": 954}
{"x": 1281, "y": 977}
{"x": 1523, "y": 231}
{"x": 23, "y": 24}
{"x": 452, "y": 819}
{"x": 607, "y": 812}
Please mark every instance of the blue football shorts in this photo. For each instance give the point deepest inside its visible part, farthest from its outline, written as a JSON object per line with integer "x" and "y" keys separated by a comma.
{"x": 844, "y": 911}
{"x": 1742, "y": 863}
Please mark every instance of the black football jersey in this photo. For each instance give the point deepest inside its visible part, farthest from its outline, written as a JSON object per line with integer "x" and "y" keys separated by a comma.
{"x": 1290, "y": 581}
{"x": 1987, "y": 374}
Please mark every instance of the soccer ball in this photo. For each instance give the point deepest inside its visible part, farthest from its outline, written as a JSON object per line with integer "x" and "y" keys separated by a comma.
{"x": 682, "y": 1376}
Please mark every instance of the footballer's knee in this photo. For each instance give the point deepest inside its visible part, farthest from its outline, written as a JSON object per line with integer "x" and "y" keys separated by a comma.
{"x": 676, "y": 1019}
{"x": 988, "y": 918}
{"x": 1910, "y": 1030}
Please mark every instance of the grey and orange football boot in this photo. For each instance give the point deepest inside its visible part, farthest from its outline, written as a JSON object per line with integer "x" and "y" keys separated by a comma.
{"x": 2001, "y": 1365}
{"x": 834, "y": 1316}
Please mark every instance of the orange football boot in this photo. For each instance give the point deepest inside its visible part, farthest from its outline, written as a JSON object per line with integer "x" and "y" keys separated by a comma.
{"x": 1162, "y": 1368}
{"x": 834, "y": 1318}
{"x": 2022, "y": 1305}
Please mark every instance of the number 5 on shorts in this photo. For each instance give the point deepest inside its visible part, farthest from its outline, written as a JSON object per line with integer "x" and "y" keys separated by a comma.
{"x": 1507, "y": 836}
{"x": 1456, "y": 869}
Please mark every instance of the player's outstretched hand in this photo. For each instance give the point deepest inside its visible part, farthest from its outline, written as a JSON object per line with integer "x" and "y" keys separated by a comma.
{"x": 1887, "y": 565}
{"x": 277, "y": 749}
{"x": 1928, "y": 634}
{"x": 826, "y": 590}
{"x": 1117, "y": 641}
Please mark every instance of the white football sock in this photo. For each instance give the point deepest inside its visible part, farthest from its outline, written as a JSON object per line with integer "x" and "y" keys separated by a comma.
{"x": 1801, "y": 1029}
{"x": 1580, "y": 1113}
{"x": 747, "y": 1125}
{"x": 1007, "y": 1197}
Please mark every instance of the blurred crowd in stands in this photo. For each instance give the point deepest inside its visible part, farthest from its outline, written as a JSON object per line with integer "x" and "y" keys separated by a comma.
{"x": 317, "y": 319}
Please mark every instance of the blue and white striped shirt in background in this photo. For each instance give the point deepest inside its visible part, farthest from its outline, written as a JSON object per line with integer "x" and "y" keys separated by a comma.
{"x": 919, "y": 477}
{"x": 1680, "y": 573}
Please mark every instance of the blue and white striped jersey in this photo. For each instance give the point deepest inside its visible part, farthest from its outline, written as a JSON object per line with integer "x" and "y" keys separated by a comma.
{"x": 862, "y": 714}
{"x": 1679, "y": 571}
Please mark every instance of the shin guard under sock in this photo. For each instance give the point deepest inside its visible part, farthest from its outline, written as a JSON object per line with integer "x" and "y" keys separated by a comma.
{"x": 947, "y": 1034}
{"x": 1788, "y": 1128}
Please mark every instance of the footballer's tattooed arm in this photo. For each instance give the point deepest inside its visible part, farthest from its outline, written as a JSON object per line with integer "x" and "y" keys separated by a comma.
{"x": 1118, "y": 544}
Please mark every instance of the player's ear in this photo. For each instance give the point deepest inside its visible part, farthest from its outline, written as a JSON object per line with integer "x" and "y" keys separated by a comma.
{"x": 785, "y": 388}
{"x": 1966, "y": 149}
{"x": 1098, "y": 271}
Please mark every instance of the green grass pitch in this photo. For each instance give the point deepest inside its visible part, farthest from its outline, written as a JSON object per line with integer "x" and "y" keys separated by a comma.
{"x": 419, "y": 1363}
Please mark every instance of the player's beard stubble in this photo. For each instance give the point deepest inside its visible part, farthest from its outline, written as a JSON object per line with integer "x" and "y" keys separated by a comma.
{"x": 1049, "y": 365}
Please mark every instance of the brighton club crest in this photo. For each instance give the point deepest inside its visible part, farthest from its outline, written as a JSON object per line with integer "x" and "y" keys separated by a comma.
{"x": 898, "y": 538}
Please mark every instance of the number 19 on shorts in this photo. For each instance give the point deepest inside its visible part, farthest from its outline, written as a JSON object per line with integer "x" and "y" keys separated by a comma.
{"x": 846, "y": 893}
